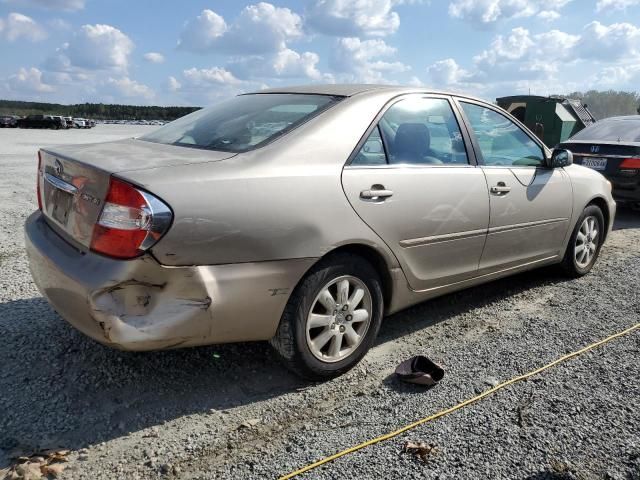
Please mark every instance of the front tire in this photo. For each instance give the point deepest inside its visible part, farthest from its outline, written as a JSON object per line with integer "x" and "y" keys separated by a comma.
{"x": 331, "y": 319}
{"x": 585, "y": 243}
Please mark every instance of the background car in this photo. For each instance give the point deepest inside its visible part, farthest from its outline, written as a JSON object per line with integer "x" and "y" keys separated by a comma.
{"x": 62, "y": 123}
{"x": 612, "y": 147}
{"x": 302, "y": 216}
{"x": 79, "y": 123}
{"x": 69, "y": 122}
{"x": 40, "y": 121}
{"x": 8, "y": 121}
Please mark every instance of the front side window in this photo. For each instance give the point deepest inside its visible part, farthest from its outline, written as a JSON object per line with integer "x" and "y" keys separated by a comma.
{"x": 243, "y": 122}
{"x": 501, "y": 141}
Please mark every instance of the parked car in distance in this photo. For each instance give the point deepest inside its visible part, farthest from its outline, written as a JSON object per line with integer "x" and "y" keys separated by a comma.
{"x": 612, "y": 147}
{"x": 61, "y": 121}
{"x": 92, "y": 123}
{"x": 68, "y": 122}
{"x": 79, "y": 123}
{"x": 40, "y": 121}
{"x": 302, "y": 216}
{"x": 8, "y": 121}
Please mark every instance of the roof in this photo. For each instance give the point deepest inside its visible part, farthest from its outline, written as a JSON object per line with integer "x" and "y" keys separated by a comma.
{"x": 632, "y": 118}
{"x": 349, "y": 90}
{"x": 338, "y": 89}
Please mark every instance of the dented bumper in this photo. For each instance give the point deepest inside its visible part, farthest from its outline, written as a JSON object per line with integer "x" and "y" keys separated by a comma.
{"x": 141, "y": 305}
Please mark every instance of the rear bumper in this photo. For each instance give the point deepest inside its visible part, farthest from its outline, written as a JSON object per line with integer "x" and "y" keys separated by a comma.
{"x": 628, "y": 193}
{"x": 141, "y": 305}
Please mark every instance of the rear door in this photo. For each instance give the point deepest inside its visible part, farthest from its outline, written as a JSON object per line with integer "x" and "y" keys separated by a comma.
{"x": 531, "y": 204}
{"x": 412, "y": 181}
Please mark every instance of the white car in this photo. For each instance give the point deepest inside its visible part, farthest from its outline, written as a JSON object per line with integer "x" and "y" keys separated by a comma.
{"x": 79, "y": 123}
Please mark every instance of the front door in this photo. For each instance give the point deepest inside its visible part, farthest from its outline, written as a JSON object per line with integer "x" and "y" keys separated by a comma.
{"x": 531, "y": 204}
{"x": 412, "y": 182}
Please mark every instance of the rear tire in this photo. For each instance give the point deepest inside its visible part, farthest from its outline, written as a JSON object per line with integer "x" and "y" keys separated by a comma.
{"x": 324, "y": 330}
{"x": 585, "y": 243}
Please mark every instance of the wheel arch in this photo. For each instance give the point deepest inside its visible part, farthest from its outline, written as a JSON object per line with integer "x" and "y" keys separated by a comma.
{"x": 602, "y": 204}
{"x": 375, "y": 258}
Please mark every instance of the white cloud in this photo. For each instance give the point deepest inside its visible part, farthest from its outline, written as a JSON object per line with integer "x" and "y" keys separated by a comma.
{"x": 285, "y": 63}
{"x": 548, "y": 62}
{"x": 124, "y": 87}
{"x": 17, "y": 26}
{"x": 202, "y": 85}
{"x": 259, "y": 29}
{"x": 154, "y": 57}
{"x": 549, "y": 15}
{"x": 29, "y": 81}
{"x": 209, "y": 76}
{"x": 351, "y": 18}
{"x": 93, "y": 47}
{"x": 486, "y": 12}
{"x": 359, "y": 60}
{"x": 616, "y": 4}
{"x": 522, "y": 56}
{"x": 447, "y": 72}
{"x": 66, "y": 5}
{"x": 607, "y": 43}
{"x": 173, "y": 84}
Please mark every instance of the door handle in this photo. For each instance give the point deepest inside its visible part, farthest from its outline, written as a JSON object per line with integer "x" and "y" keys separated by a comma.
{"x": 376, "y": 194}
{"x": 500, "y": 189}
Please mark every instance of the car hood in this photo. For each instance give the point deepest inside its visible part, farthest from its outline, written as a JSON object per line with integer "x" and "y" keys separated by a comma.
{"x": 132, "y": 154}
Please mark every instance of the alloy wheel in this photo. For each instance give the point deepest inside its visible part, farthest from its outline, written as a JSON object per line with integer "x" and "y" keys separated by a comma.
{"x": 339, "y": 319}
{"x": 586, "y": 242}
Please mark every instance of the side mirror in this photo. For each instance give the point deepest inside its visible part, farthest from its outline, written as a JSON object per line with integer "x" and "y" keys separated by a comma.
{"x": 561, "y": 158}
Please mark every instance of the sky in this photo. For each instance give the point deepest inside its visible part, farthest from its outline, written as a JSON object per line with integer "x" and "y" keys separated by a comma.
{"x": 196, "y": 52}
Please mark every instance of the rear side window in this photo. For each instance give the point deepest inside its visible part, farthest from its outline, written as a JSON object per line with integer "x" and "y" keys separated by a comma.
{"x": 242, "y": 123}
{"x": 501, "y": 141}
{"x": 415, "y": 131}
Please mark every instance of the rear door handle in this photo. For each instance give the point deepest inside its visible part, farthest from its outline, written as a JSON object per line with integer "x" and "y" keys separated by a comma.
{"x": 375, "y": 194}
{"x": 500, "y": 189}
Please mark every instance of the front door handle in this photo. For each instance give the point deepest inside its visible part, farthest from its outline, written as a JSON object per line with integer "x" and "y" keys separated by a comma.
{"x": 500, "y": 189}
{"x": 376, "y": 193}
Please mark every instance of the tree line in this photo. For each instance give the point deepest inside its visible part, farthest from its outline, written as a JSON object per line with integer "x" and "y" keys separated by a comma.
{"x": 610, "y": 103}
{"x": 98, "y": 111}
{"x": 602, "y": 104}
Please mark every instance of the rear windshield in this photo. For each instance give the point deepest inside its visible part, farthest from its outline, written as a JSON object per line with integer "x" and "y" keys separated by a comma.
{"x": 618, "y": 130}
{"x": 242, "y": 123}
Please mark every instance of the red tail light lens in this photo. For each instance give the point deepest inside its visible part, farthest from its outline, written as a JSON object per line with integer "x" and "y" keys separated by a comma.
{"x": 631, "y": 163}
{"x": 130, "y": 223}
{"x": 38, "y": 178}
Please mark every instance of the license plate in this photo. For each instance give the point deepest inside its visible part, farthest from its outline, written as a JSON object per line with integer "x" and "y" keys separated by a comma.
{"x": 595, "y": 163}
{"x": 61, "y": 206}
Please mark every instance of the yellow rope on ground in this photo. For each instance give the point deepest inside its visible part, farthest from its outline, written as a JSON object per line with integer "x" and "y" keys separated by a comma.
{"x": 442, "y": 413}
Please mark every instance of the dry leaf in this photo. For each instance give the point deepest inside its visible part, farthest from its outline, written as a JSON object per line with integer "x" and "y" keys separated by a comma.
{"x": 55, "y": 469}
{"x": 249, "y": 423}
{"x": 29, "y": 471}
{"x": 419, "y": 449}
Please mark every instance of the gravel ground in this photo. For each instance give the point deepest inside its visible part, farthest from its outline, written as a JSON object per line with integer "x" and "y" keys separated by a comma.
{"x": 232, "y": 412}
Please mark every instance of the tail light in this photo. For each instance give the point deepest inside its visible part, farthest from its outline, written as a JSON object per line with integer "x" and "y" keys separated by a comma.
{"x": 38, "y": 178}
{"x": 630, "y": 166}
{"x": 631, "y": 163}
{"x": 130, "y": 223}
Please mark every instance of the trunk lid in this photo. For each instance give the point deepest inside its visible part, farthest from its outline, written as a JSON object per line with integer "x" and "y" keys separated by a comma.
{"x": 605, "y": 156}
{"x": 74, "y": 180}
